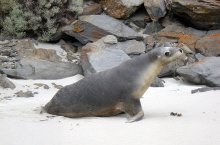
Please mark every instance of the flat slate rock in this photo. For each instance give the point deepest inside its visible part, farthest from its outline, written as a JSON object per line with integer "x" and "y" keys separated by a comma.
{"x": 99, "y": 56}
{"x": 42, "y": 69}
{"x": 84, "y": 32}
{"x": 130, "y": 47}
{"x": 111, "y": 25}
{"x": 203, "y": 72}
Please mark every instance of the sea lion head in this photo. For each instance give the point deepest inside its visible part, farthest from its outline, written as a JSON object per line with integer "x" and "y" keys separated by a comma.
{"x": 167, "y": 54}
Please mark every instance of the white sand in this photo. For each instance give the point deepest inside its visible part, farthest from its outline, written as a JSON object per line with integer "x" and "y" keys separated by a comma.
{"x": 22, "y": 124}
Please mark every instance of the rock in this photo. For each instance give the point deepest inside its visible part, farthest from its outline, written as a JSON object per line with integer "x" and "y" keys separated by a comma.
{"x": 4, "y": 59}
{"x": 4, "y": 42}
{"x": 57, "y": 86}
{"x": 186, "y": 35}
{"x": 45, "y": 86}
{"x": 68, "y": 47}
{"x": 112, "y": 26}
{"x": 26, "y": 49}
{"x": 155, "y": 8}
{"x": 6, "y": 51}
{"x": 70, "y": 50}
{"x": 209, "y": 45}
{"x": 204, "y": 89}
{"x": 204, "y": 72}
{"x": 91, "y": 8}
{"x": 41, "y": 69}
{"x": 204, "y": 42}
{"x": 130, "y": 47}
{"x": 44, "y": 54}
{"x": 25, "y": 44}
{"x": 120, "y": 8}
{"x": 93, "y": 27}
{"x": 99, "y": 56}
{"x": 199, "y": 56}
{"x": 5, "y": 82}
{"x": 140, "y": 18}
{"x": 158, "y": 83}
{"x": 150, "y": 41}
{"x": 110, "y": 39}
{"x": 84, "y": 32}
{"x": 26, "y": 94}
{"x": 202, "y": 14}
{"x": 153, "y": 27}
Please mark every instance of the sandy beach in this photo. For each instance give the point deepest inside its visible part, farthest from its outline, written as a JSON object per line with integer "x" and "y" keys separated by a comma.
{"x": 21, "y": 122}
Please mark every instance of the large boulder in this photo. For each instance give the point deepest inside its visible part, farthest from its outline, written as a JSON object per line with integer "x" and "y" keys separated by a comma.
{"x": 93, "y": 27}
{"x": 112, "y": 26}
{"x": 155, "y": 8}
{"x": 210, "y": 44}
{"x": 42, "y": 69}
{"x": 101, "y": 55}
{"x": 203, "y": 72}
{"x": 203, "y": 14}
{"x": 120, "y": 8}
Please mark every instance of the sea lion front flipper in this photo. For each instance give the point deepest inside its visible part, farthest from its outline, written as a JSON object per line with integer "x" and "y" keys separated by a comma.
{"x": 136, "y": 117}
{"x": 134, "y": 110}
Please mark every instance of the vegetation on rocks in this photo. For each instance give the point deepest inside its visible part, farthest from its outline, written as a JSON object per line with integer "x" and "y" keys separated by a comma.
{"x": 37, "y": 18}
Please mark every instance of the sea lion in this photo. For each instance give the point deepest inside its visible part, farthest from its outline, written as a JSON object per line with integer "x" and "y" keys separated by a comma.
{"x": 113, "y": 91}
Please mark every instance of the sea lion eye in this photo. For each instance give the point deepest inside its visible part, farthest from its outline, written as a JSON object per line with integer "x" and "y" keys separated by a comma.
{"x": 167, "y": 53}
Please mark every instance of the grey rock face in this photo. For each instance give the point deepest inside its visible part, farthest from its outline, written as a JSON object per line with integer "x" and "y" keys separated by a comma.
{"x": 5, "y": 82}
{"x": 140, "y": 18}
{"x": 203, "y": 14}
{"x": 203, "y": 72}
{"x": 111, "y": 25}
{"x": 99, "y": 56}
{"x": 91, "y": 28}
{"x": 130, "y": 47}
{"x": 155, "y": 8}
{"x": 153, "y": 27}
{"x": 42, "y": 69}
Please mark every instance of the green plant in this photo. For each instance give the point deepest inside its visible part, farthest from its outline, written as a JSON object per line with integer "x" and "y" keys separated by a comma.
{"x": 34, "y": 17}
{"x": 6, "y": 6}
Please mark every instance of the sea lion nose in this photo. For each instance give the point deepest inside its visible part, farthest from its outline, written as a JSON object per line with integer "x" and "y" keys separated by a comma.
{"x": 181, "y": 50}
